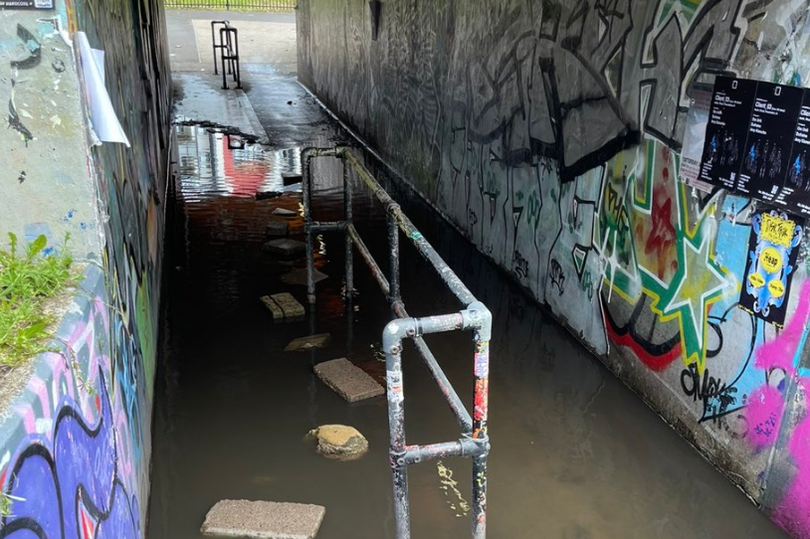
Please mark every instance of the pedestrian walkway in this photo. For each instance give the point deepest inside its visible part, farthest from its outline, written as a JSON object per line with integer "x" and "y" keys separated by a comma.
{"x": 575, "y": 454}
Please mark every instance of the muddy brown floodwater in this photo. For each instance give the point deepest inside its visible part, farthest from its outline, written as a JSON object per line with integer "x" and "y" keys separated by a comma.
{"x": 575, "y": 454}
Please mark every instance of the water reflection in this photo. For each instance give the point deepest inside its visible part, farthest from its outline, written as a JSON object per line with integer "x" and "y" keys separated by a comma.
{"x": 214, "y": 163}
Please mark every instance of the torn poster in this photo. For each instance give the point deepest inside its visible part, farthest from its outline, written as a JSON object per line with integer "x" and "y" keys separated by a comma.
{"x": 104, "y": 121}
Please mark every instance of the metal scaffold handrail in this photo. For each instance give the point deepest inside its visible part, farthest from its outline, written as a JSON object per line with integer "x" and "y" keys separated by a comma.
{"x": 474, "y": 441}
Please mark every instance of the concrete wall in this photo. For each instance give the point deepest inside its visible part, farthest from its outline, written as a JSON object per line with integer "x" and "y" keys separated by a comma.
{"x": 46, "y": 188}
{"x": 549, "y": 134}
{"x": 75, "y": 441}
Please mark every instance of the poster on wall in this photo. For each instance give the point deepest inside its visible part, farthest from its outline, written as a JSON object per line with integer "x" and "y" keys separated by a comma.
{"x": 796, "y": 190}
{"x": 770, "y": 140}
{"x": 773, "y": 248}
{"x": 726, "y": 131}
{"x": 26, "y": 4}
{"x": 754, "y": 140}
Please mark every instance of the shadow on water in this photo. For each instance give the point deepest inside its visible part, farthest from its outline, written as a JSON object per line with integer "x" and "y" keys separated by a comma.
{"x": 575, "y": 454}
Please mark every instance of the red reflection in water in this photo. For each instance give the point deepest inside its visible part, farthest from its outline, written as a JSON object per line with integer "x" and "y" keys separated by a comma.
{"x": 245, "y": 176}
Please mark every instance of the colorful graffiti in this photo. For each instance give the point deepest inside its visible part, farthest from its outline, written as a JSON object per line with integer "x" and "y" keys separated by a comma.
{"x": 73, "y": 471}
{"x": 74, "y": 455}
{"x": 549, "y": 133}
{"x": 779, "y": 362}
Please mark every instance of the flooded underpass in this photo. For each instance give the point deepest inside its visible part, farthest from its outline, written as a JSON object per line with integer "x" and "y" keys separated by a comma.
{"x": 575, "y": 454}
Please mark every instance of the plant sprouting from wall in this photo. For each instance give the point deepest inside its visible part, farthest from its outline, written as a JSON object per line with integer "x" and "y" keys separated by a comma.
{"x": 7, "y": 504}
{"x": 27, "y": 278}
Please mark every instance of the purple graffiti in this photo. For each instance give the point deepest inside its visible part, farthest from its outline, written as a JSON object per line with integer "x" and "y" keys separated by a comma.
{"x": 70, "y": 488}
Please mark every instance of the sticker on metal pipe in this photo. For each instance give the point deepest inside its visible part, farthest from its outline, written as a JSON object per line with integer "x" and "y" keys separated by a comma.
{"x": 394, "y": 387}
{"x": 482, "y": 364}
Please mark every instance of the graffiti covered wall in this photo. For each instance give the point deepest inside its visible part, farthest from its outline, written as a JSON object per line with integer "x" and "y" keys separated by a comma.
{"x": 549, "y": 133}
{"x": 75, "y": 444}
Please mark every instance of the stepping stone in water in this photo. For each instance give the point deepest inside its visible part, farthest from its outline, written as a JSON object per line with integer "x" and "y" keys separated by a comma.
{"x": 285, "y": 248}
{"x": 301, "y": 344}
{"x": 299, "y": 276}
{"x": 339, "y": 442}
{"x": 276, "y": 228}
{"x": 284, "y": 212}
{"x": 347, "y": 380}
{"x": 283, "y": 307}
{"x": 263, "y": 520}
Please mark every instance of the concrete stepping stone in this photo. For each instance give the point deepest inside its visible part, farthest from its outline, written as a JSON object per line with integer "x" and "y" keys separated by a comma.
{"x": 276, "y": 228}
{"x": 285, "y": 247}
{"x": 302, "y": 344}
{"x": 263, "y": 520}
{"x": 299, "y": 276}
{"x": 284, "y": 212}
{"x": 339, "y": 442}
{"x": 348, "y": 380}
{"x": 284, "y": 307}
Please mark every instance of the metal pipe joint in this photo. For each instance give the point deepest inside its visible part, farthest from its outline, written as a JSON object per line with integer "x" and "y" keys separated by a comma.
{"x": 477, "y": 317}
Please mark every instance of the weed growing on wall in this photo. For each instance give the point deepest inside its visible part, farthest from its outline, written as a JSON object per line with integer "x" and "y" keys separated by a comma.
{"x": 27, "y": 279}
{"x": 6, "y": 504}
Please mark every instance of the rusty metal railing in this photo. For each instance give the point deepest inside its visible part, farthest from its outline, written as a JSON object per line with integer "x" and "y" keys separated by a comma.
{"x": 474, "y": 441}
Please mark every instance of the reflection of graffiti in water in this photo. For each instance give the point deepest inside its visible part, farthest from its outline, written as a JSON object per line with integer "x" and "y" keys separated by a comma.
{"x": 450, "y": 488}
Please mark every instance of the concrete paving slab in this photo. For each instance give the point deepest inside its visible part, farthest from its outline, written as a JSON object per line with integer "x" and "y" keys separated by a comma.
{"x": 276, "y": 228}
{"x": 263, "y": 520}
{"x": 347, "y": 380}
{"x": 299, "y": 277}
{"x": 284, "y": 212}
{"x": 283, "y": 307}
{"x": 286, "y": 248}
{"x": 309, "y": 342}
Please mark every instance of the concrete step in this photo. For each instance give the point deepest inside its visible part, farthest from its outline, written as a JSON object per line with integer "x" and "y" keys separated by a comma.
{"x": 299, "y": 277}
{"x": 347, "y": 380}
{"x": 263, "y": 520}
{"x": 284, "y": 212}
{"x": 276, "y": 229}
{"x": 285, "y": 248}
{"x": 284, "y": 307}
{"x": 302, "y": 344}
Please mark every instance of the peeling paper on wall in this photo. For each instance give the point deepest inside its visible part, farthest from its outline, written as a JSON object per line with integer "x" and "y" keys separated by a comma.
{"x": 105, "y": 125}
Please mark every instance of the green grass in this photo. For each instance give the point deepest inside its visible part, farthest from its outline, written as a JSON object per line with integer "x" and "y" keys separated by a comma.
{"x": 6, "y": 504}
{"x": 235, "y": 5}
{"x": 27, "y": 279}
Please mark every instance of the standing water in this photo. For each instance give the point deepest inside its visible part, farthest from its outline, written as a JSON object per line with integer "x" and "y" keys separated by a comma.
{"x": 575, "y": 454}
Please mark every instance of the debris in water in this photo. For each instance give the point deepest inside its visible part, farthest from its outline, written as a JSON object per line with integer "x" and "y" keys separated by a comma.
{"x": 302, "y": 344}
{"x": 299, "y": 276}
{"x": 284, "y": 212}
{"x": 339, "y": 442}
{"x": 291, "y": 178}
{"x": 276, "y": 228}
{"x": 285, "y": 248}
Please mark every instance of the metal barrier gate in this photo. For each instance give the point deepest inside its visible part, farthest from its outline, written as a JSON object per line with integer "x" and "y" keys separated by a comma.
{"x": 228, "y": 47}
{"x": 474, "y": 441}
